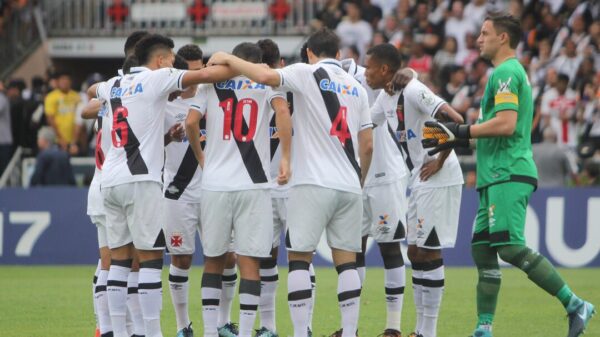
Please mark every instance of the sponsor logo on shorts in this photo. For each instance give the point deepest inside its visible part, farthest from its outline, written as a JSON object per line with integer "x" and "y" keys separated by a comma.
{"x": 176, "y": 240}
{"x": 382, "y": 224}
{"x": 491, "y": 215}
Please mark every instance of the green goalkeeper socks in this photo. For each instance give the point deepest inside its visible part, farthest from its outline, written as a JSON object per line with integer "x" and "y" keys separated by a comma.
{"x": 538, "y": 269}
{"x": 488, "y": 285}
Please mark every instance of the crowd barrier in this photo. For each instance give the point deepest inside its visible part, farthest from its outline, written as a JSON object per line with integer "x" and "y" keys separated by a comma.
{"x": 49, "y": 226}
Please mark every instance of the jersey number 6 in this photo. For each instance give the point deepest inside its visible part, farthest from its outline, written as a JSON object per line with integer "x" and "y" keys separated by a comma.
{"x": 120, "y": 127}
{"x": 234, "y": 117}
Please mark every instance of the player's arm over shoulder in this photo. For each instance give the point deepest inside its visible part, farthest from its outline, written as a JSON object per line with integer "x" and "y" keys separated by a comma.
{"x": 422, "y": 98}
{"x": 292, "y": 77}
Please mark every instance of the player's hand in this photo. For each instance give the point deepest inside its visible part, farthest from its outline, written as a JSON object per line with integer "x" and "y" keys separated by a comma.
{"x": 400, "y": 80}
{"x": 285, "y": 172}
{"x": 177, "y": 132}
{"x": 443, "y": 136}
{"x": 218, "y": 58}
{"x": 173, "y": 96}
{"x": 430, "y": 168}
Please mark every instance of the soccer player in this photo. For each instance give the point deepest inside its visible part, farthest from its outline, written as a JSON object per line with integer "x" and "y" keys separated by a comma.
{"x": 384, "y": 194}
{"x": 131, "y": 185}
{"x": 506, "y": 177}
{"x": 436, "y": 188}
{"x": 182, "y": 177}
{"x": 331, "y": 122}
{"x": 95, "y": 211}
{"x": 236, "y": 184}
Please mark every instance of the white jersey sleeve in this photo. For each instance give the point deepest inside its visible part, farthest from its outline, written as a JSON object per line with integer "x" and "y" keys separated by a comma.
{"x": 167, "y": 80}
{"x": 295, "y": 77}
{"x": 422, "y": 98}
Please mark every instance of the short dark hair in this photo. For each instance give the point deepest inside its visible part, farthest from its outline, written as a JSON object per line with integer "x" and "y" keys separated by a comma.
{"x": 133, "y": 39}
{"x": 248, "y": 51}
{"x": 324, "y": 43}
{"x": 562, "y": 77}
{"x": 303, "y": 53}
{"x": 190, "y": 52}
{"x": 150, "y": 44}
{"x": 386, "y": 54}
{"x": 61, "y": 73}
{"x": 180, "y": 63}
{"x": 130, "y": 62}
{"x": 510, "y": 25}
{"x": 270, "y": 52}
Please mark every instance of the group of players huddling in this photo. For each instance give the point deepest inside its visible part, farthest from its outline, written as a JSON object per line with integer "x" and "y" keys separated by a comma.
{"x": 183, "y": 147}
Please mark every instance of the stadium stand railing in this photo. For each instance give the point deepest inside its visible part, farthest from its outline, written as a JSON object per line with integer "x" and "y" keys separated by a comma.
{"x": 19, "y": 37}
{"x": 196, "y": 18}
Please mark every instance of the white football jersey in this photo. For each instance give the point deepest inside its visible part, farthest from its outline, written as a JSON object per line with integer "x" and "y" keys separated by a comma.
{"x": 138, "y": 103}
{"x": 387, "y": 163}
{"x": 182, "y": 176}
{"x": 95, "y": 204}
{"x": 237, "y": 115}
{"x": 330, "y": 108}
{"x": 406, "y": 113}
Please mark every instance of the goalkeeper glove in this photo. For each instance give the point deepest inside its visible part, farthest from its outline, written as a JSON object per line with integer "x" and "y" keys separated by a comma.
{"x": 443, "y": 136}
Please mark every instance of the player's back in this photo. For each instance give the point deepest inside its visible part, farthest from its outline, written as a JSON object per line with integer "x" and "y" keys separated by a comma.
{"x": 137, "y": 102}
{"x": 237, "y": 125}
{"x": 330, "y": 109}
{"x": 182, "y": 174}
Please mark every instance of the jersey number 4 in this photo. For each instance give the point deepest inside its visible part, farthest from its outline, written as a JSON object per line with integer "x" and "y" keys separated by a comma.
{"x": 120, "y": 127}
{"x": 234, "y": 118}
{"x": 339, "y": 126}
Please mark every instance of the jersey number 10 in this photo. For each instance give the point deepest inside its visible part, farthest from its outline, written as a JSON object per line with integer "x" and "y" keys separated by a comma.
{"x": 234, "y": 117}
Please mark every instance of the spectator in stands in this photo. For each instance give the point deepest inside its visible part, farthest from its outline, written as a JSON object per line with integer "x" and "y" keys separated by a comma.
{"x": 568, "y": 62}
{"x": 52, "y": 165}
{"x": 590, "y": 175}
{"x": 330, "y": 16}
{"x": 425, "y": 31}
{"x": 371, "y": 13}
{"x": 354, "y": 31}
{"x": 6, "y": 140}
{"x": 420, "y": 61}
{"x": 445, "y": 56}
{"x": 60, "y": 106}
{"x": 540, "y": 63}
{"x": 467, "y": 56}
{"x": 585, "y": 74}
{"x": 475, "y": 12}
{"x": 458, "y": 26}
{"x": 34, "y": 112}
{"x": 551, "y": 161}
{"x": 457, "y": 80}
{"x": 590, "y": 111}
{"x": 14, "y": 92}
{"x": 558, "y": 108}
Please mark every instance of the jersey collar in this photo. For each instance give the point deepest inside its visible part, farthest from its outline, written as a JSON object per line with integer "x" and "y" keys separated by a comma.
{"x": 135, "y": 70}
{"x": 330, "y": 61}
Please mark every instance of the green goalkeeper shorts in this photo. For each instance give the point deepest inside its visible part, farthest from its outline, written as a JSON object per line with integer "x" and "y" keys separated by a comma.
{"x": 501, "y": 214}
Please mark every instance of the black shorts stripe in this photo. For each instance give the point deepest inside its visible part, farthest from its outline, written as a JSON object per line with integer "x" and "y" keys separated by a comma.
{"x": 432, "y": 283}
{"x": 147, "y": 286}
{"x": 115, "y": 283}
{"x": 183, "y": 177}
{"x": 160, "y": 242}
{"x": 178, "y": 279}
{"x": 332, "y": 104}
{"x": 299, "y": 295}
{"x": 247, "y": 150}
{"x": 135, "y": 162}
{"x": 271, "y": 278}
{"x": 95, "y": 279}
{"x": 394, "y": 291}
{"x": 432, "y": 239}
{"x": 346, "y": 295}
{"x": 249, "y": 307}
{"x": 210, "y": 301}
{"x": 99, "y": 289}
{"x": 132, "y": 290}
{"x": 400, "y": 232}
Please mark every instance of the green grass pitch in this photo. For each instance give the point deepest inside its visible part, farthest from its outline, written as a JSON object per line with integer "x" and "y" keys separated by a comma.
{"x": 56, "y": 301}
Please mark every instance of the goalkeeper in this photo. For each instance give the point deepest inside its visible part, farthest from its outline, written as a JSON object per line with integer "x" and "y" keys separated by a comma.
{"x": 506, "y": 177}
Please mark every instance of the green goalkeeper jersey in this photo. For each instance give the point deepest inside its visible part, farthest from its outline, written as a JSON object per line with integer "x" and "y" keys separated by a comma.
{"x": 502, "y": 159}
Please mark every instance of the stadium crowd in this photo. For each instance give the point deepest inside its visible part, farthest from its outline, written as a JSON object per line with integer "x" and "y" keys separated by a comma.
{"x": 560, "y": 50}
